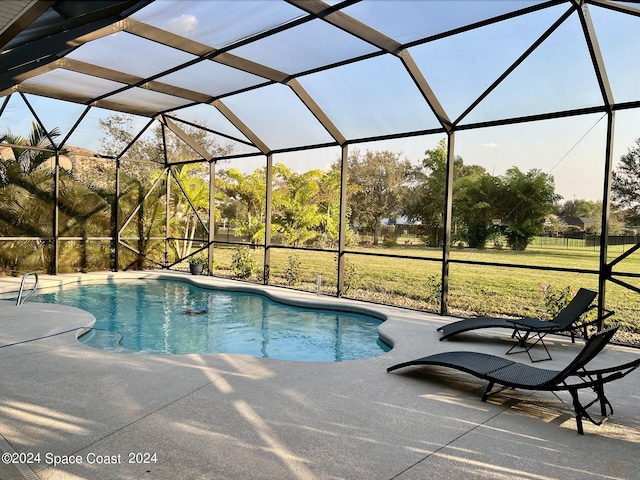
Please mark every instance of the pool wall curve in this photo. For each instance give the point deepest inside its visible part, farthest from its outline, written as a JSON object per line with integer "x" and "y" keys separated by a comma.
{"x": 289, "y": 297}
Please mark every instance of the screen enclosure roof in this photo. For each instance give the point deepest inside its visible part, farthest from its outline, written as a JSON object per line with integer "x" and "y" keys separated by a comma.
{"x": 271, "y": 75}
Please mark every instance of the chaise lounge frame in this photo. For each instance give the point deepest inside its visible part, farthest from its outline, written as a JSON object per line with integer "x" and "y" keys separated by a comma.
{"x": 524, "y": 329}
{"x": 510, "y": 374}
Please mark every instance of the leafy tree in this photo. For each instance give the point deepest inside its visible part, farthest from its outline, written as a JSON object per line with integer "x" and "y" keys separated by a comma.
{"x": 625, "y": 186}
{"x": 328, "y": 200}
{"x": 194, "y": 178}
{"x": 305, "y": 206}
{"x": 475, "y": 207}
{"x": 426, "y": 200}
{"x": 120, "y": 131}
{"x": 580, "y": 208}
{"x": 524, "y": 200}
{"x": 379, "y": 181}
{"x": 296, "y": 212}
{"x": 244, "y": 201}
{"x": 428, "y": 183}
{"x": 243, "y": 263}
{"x": 26, "y": 212}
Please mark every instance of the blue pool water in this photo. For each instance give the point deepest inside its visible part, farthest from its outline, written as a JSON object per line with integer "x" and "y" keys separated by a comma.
{"x": 177, "y": 317}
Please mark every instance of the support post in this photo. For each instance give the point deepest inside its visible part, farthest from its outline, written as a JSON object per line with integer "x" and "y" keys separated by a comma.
{"x": 446, "y": 237}
{"x": 212, "y": 214}
{"x": 116, "y": 221}
{"x": 342, "y": 229}
{"x": 56, "y": 215}
{"x": 167, "y": 215}
{"x": 604, "y": 269}
{"x": 267, "y": 221}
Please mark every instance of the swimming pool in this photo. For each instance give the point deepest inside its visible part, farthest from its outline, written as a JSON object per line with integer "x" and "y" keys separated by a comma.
{"x": 173, "y": 317}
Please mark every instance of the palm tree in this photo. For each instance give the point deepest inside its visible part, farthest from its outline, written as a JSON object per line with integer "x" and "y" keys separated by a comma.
{"x": 144, "y": 208}
{"x": 27, "y": 201}
{"x": 27, "y": 198}
{"x": 184, "y": 220}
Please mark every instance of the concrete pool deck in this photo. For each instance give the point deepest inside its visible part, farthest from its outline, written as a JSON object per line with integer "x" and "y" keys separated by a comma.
{"x": 223, "y": 416}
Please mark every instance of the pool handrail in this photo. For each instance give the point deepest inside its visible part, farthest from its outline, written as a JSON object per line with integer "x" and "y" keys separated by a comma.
{"x": 20, "y": 299}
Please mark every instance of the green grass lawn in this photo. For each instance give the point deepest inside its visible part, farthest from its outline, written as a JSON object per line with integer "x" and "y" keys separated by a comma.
{"x": 473, "y": 289}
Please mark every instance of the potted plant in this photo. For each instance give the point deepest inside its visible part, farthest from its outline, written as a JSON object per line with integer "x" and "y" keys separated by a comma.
{"x": 197, "y": 263}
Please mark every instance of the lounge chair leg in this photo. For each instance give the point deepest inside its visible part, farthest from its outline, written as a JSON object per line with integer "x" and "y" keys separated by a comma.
{"x": 487, "y": 391}
{"x": 522, "y": 343}
{"x": 545, "y": 349}
{"x": 599, "y": 389}
{"x": 579, "y": 409}
{"x": 523, "y": 339}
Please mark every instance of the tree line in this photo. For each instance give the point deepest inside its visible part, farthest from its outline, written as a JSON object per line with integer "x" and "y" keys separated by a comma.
{"x": 305, "y": 206}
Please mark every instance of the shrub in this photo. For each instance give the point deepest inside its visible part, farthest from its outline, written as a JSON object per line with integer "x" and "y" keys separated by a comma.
{"x": 426, "y": 241}
{"x": 292, "y": 273}
{"x": 243, "y": 264}
{"x": 433, "y": 287}
{"x": 390, "y": 241}
{"x": 352, "y": 238}
{"x": 200, "y": 258}
{"x": 556, "y": 299}
{"x": 350, "y": 277}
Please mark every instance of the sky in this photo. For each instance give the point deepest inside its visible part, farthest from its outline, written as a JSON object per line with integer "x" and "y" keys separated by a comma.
{"x": 376, "y": 96}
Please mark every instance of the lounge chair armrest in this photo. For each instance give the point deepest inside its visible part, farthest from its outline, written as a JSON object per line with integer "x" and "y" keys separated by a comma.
{"x": 588, "y": 323}
{"x": 582, "y": 325}
{"x": 625, "y": 367}
{"x": 585, "y": 323}
{"x": 607, "y": 314}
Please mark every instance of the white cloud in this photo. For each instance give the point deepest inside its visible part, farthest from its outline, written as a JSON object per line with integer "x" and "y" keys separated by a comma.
{"x": 183, "y": 24}
{"x": 490, "y": 145}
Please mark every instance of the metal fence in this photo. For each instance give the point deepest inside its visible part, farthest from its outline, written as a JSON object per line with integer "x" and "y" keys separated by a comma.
{"x": 617, "y": 243}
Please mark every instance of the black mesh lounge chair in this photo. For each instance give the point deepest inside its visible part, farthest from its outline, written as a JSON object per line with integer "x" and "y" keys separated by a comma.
{"x": 567, "y": 320}
{"x": 501, "y": 371}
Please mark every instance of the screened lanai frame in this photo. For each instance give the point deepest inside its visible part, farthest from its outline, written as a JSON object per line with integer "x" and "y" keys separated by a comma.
{"x": 42, "y": 59}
